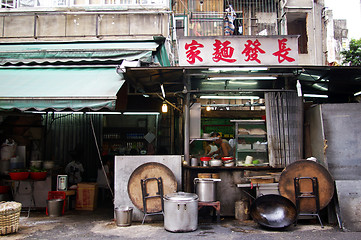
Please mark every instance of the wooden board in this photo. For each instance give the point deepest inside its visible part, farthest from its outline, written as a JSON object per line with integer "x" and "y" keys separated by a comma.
{"x": 150, "y": 170}
{"x": 307, "y": 168}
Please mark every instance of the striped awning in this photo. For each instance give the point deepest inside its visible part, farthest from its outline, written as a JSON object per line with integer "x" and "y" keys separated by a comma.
{"x": 57, "y": 89}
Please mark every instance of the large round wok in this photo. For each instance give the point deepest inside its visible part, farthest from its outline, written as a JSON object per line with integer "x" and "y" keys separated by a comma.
{"x": 273, "y": 211}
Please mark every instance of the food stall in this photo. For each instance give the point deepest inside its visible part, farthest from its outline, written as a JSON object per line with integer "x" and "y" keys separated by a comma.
{"x": 235, "y": 93}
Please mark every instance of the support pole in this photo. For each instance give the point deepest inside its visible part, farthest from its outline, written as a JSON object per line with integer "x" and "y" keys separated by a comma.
{"x": 186, "y": 119}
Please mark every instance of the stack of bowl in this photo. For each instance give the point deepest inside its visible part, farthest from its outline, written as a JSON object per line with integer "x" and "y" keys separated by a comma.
{"x": 216, "y": 162}
{"x": 228, "y": 161}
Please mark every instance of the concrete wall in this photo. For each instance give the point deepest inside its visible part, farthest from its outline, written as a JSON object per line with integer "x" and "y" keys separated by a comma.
{"x": 343, "y": 135}
{"x": 315, "y": 50}
{"x": 340, "y": 124}
{"x": 63, "y": 26}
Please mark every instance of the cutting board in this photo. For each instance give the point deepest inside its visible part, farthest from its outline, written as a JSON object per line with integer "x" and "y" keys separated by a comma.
{"x": 150, "y": 170}
{"x": 307, "y": 168}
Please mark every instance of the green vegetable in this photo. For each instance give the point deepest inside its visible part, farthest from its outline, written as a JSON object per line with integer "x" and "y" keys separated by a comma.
{"x": 35, "y": 169}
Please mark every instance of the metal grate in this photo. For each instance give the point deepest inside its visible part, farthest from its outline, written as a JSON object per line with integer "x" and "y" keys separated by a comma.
{"x": 284, "y": 127}
{"x": 252, "y": 17}
{"x": 64, "y": 132}
{"x": 68, "y": 3}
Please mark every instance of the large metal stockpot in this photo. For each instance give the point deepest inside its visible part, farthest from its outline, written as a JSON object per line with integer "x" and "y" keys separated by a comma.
{"x": 206, "y": 189}
{"x": 181, "y": 212}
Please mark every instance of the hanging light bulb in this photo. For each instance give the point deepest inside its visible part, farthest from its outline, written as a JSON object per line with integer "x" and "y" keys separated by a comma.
{"x": 164, "y": 107}
{"x": 208, "y": 108}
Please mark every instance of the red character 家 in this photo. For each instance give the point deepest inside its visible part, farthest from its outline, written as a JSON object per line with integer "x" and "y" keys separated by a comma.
{"x": 193, "y": 51}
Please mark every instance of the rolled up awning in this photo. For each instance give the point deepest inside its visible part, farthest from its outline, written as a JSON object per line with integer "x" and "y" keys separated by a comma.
{"x": 76, "y": 52}
{"x": 57, "y": 89}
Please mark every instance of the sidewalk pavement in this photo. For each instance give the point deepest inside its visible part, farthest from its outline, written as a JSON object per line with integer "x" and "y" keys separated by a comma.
{"x": 100, "y": 224}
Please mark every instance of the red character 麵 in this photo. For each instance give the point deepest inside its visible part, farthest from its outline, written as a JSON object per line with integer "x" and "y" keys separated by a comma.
{"x": 223, "y": 52}
{"x": 252, "y": 49}
{"x": 283, "y": 51}
{"x": 193, "y": 52}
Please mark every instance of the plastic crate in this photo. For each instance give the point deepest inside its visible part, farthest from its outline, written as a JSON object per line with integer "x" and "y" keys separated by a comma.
{"x": 56, "y": 195}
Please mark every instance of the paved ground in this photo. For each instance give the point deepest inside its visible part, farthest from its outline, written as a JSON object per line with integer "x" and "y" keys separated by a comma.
{"x": 99, "y": 224}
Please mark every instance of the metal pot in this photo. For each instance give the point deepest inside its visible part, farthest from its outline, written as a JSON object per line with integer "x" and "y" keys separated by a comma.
{"x": 206, "y": 189}
{"x": 181, "y": 212}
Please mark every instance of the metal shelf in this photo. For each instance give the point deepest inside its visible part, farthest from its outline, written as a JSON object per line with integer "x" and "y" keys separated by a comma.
{"x": 247, "y": 136}
{"x": 249, "y": 121}
{"x": 251, "y": 136}
{"x": 252, "y": 150}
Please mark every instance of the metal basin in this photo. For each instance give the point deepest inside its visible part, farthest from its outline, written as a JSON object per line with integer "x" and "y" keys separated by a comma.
{"x": 273, "y": 211}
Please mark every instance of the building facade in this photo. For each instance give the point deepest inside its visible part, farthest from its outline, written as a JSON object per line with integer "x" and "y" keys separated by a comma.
{"x": 263, "y": 17}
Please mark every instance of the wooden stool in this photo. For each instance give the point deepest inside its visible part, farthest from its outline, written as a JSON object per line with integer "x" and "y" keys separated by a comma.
{"x": 216, "y": 205}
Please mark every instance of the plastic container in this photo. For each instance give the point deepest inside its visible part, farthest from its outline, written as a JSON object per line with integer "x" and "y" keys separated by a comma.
{"x": 55, "y": 207}
{"x": 4, "y": 189}
{"x": 19, "y": 175}
{"x": 38, "y": 175}
{"x": 123, "y": 216}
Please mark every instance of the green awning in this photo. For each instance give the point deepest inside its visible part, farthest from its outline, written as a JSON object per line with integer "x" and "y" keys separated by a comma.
{"x": 73, "y": 88}
{"x": 76, "y": 52}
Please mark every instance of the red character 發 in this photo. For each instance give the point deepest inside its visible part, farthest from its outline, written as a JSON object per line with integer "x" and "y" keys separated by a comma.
{"x": 252, "y": 49}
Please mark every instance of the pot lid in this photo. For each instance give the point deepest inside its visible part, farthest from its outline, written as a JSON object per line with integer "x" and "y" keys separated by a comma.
{"x": 181, "y": 196}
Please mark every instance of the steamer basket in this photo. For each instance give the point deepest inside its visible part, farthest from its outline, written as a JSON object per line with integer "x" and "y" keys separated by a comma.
{"x": 9, "y": 217}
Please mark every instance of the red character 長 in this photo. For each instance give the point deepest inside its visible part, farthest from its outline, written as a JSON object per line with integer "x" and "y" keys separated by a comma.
{"x": 283, "y": 51}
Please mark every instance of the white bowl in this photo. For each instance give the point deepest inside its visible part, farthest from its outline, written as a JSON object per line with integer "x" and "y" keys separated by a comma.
{"x": 215, "y": 162}
{"x": 36, "y": 164}
{"x": 206, "y": 135}
{"x": 48, "y": 165}
{"x": 231, "y": 164}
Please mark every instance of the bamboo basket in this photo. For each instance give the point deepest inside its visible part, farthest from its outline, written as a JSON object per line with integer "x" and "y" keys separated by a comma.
{"x": 9, "y": 217}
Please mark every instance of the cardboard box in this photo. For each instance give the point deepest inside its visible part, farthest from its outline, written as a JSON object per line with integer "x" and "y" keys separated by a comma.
{"x": 86, "y": 196}
{"x": 260, "y": 146}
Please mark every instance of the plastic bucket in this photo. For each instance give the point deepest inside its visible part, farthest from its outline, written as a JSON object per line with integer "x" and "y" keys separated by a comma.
{"x": 55, "y": 207}
{"x": 123, "y": 216}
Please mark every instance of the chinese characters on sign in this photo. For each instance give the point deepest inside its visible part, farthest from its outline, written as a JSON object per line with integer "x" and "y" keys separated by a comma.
{"x": 253, "y": 50}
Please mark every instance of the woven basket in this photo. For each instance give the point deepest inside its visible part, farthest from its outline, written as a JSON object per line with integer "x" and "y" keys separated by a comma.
{"x": 9, "y": 217}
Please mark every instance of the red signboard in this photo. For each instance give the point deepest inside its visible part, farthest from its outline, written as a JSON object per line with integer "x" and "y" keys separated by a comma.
{"x": 238, "y": 50}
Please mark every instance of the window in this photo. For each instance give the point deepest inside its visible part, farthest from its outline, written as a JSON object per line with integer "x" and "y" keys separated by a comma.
{"x": 296, "y": 25}
{"x": 180, "y": 26}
